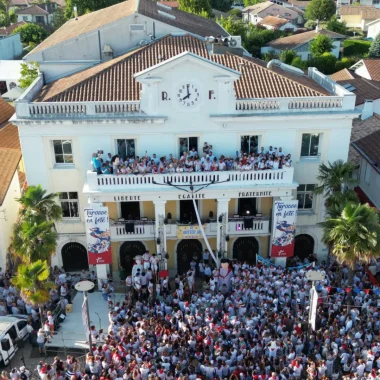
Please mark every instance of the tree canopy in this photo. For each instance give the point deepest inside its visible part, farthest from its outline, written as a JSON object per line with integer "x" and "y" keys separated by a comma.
{"x": 31, "y": 33}
{"x": 29, "y": 72}
{"x": 374, "y": 50}
{"x": 321, "y": 44}
{"x": 320, "y": 10}
{"x": 86, "y": 6}
{"x": 337, "y": 26}
{"x": 221, "y": 5}
{"x": 198, "y": 7}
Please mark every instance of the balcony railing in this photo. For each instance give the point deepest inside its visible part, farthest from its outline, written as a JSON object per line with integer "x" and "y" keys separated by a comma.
{"x": 107, "y": 182}
{"x": 145, "y": 230}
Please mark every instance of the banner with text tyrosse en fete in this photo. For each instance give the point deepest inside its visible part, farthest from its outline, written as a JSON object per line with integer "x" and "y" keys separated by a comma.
{"x": 189, "y": 232}
{"x": 284, "y": 228}
{"x": 98, "y": 235}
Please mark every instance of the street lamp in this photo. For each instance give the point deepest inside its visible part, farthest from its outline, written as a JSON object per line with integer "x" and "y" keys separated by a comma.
{"x": 85, "y": 287}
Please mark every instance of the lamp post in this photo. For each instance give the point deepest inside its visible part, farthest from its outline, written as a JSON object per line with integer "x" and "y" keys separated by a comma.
{"x": 85, "y": 287}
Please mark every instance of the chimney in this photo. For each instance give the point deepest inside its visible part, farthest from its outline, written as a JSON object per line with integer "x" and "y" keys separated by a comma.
{"x": 107, "y": 53}
{"x": 76, "y": 12}
{"x": 367, "y": 111}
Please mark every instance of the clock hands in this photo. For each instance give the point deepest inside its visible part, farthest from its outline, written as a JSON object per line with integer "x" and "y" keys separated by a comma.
{"x": 188, "y": 93}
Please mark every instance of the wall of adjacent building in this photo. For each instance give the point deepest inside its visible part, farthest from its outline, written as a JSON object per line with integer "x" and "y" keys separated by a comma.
{"x": 369, "y": 181}
{"x": 10, "y": 47}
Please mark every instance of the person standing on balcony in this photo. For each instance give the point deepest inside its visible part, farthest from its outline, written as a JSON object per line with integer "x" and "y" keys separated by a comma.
{"x": 146, "y": 260}
{"x": 96, "y": 163}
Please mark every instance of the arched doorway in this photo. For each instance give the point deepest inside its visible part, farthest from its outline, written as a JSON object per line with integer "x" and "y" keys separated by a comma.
{"x": 303, "y": 246}
{"x": 128, "y": 251}
{"x": 74, "y": 257}
{"x": 245, "y": 249}
{"x": 186, "y": 250}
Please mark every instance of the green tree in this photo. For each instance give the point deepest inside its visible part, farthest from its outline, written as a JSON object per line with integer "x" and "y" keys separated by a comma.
{"x": 59, "y": 18}
{"x": 287, "y": 56}
{"x": 235, "y": 13}
{"x": 374, "y": 50}
{"x": 298, "y": 62}
{"x": 36, "y": 202}
{"x": 198, "y": 7}
{"x": 85, "y": 6}
{"x": 31, "y": 33}
{"x": 337, "y": 26}
{"x": 310, "y": 24}
{"x": 32, "y": 282}
{"x": 29, "y": 72}
{"x": 320, "y": 10}
{"x": 325, "y": 63}
{"x": 221, "y": 5}
{"x": 247, "y": 3}
{"x": 233, "y": 27}
{"x": 354, "y": 236}
{"x": 334, "y": 177}
{"x": 33, "y": 239}
{"x": 321, "y": 44}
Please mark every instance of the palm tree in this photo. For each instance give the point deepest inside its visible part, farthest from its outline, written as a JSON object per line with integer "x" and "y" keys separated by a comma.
{"x": 354, "y": 236}
{"x": 34, "y": 239}
{"x": 334, "y": 177}
{"x": 36, "y": 202}
{"x": 336, "y": 202}
{"x": 32, "y": 282}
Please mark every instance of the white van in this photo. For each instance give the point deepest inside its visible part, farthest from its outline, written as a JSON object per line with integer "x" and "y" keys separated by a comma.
{"x": 12, "y": 329}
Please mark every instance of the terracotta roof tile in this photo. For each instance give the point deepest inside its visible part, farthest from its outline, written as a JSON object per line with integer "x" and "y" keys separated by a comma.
{"x": 369, "y": 145}
{"x": 18, "y": 3}
{"x": 364, "y": 88}
{"x": 6, "y": 111}
{"x": 171, "y": 4}
{"x": 373, "y": 67}
{"x": 276, "y": 22}
{"x": 114, "y": 81}
{"x": 269, "y": 9}
{"x": 366, "y": 11}
{"x": 7, "y": 31}
{"x": 342, "y": 75}
{"x": 362, "y": 128}
{"x": 33, "y": 10}
{"x": 295, "y": 40}
{"x": 10, "y": 156}
{"x": 297, "y": 3}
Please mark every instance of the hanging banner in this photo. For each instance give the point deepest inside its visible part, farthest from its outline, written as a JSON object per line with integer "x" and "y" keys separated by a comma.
{"x": 98, "y": 235}
{"x": 284, "y": 228}
{"x": 189, "y": 232}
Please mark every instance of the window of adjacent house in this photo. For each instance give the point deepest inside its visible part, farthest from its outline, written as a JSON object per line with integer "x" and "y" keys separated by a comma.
{"x": 63, "y": 153}
{"x": 305, "y": 197}
{"x": 25, "y": 18}
{"x": 40, "y": 19}
{"x": 310, "y": 145}
{"x": 249, "y": 144}
{"x": 70, "y": 204}
{"x": 126, "y": 147}
{"x": 367, "y": 173}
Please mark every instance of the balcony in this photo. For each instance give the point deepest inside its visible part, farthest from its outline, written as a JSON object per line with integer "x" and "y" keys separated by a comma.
{"x": 140, "y": 230}
{"x": 130, "y": 182}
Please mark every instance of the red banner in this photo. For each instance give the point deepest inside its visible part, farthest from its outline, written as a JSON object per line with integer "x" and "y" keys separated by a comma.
{"x": 98, "y": 235}
{"x": 284, "y": 228}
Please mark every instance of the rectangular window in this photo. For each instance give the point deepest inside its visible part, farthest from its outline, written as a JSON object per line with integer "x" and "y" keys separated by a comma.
{"x": 25, "y": 18}
{"x": 63, "y": 153}
{"x": 249, "y": 144}
{"x": 70, "y": 204}
{"x": 126, "y": 148}
{"x": 187, "y": 143}
{"x": 305, "y": 197}
{"x": 367, "y": 173}
{"x": 310, "y": 145}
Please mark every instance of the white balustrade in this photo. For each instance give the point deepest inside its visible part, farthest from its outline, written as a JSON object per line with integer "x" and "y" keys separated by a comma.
{"x": 109, "y": 182}
{"x": 260, "y": 226}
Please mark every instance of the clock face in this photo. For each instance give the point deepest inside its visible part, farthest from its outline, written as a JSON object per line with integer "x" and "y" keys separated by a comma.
{"x": 188, "y": 95}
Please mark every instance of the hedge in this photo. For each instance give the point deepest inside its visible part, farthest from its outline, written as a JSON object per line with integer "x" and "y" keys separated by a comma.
{"x": 355, "y": 47}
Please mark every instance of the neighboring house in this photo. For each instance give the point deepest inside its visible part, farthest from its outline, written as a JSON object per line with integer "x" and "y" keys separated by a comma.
{"x": 21, "y": 4}
{"x": 340, "y": 3}
{"x": 374, "y": 3}
{"x": 358, "y": 16}
{"x": 12, "y": 178}
{"x": 373, "y": 28}
{"x": 276, "y": 23}
{"x": 10, "y": 47}
{"x": 256, "y": 13}
{"x": 7, "y": 31}
{"x": 367, "y": 91}
{"x": 80, "y": 43}
{"x": 9, "y": 74}
{"x": 39, "y": 14}
{"x": 129, "y": 105}
{"x": 369, "y": 170}
{"x": 300, "y": 43}
{"x": 368, "y": 68}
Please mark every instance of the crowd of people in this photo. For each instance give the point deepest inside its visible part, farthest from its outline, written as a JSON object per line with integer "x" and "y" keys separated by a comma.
{"x": 190, "y": 161}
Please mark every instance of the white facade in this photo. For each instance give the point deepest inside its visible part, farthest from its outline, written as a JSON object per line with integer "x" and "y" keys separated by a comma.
{"x": 8, "y": 216}
{"x": 287, "y": 26}
{"x": 373, "y": 29}
{"x": 157, "y": 124}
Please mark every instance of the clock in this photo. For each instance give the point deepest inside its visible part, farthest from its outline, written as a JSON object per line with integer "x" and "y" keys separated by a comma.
{"x": 188, "y": 95}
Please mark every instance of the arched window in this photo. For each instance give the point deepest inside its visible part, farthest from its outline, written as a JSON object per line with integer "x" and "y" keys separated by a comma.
{"x": 74, "y": 257}
{"x": 245, "y": 249}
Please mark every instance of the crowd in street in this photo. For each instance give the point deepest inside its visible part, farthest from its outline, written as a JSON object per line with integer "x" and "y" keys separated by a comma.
{"x": 191, "y": 161}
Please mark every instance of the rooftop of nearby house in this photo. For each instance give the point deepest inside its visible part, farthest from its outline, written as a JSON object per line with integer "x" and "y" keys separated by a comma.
{"x": 276, "y": 22}
{"x": 100, "y": 83}
{"x": 368, "y": 147}
{"x": 38, "y": 10}
{"x": 295, "y": 40}
{"x": 363, "y": 88}
{"x": 7, "y": 31}
{"x": 268, "y": 8}
{"x": 372, "y": 65}
{"x": 96, "y": 20}
{"x": 10, "y": 149}
{"x": 368, "y": 12}
{"x": 298, "y": 3}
